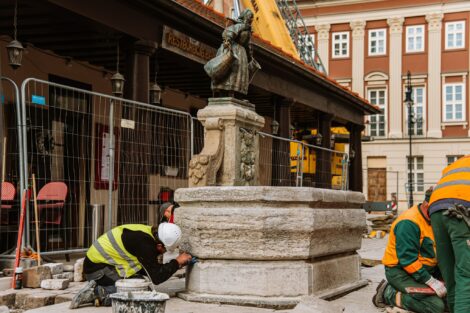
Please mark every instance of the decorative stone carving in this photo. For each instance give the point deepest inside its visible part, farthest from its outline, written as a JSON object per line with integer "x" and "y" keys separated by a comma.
{"x": 323, "y": 31}
{"x": 357, "y": 28}
{"x": 396, "y": 25}
{"x": 203, "y": 167}
{"x": 247, "y": 155}
{"x": 434, "y": 22}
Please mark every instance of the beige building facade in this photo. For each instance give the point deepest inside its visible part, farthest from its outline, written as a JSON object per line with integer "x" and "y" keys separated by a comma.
{"x": 369, "y": 46}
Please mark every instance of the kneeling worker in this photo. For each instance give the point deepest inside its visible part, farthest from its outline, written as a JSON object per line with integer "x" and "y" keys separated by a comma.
{"x": 410, "y": 261}
{"x": 126, "y": 251}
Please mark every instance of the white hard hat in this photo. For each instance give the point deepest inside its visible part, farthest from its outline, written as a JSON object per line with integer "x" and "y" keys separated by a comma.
{"x": 170, "y": 235}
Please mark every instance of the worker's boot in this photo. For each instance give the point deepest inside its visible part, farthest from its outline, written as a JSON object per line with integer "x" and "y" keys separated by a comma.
{"x": 86, "y": 295}
{"x": 102, "y": 295}
{"x": 378, "y": 299}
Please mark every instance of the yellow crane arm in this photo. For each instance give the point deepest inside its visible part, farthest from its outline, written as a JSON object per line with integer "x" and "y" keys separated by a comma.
{"x": 269, "y": 24}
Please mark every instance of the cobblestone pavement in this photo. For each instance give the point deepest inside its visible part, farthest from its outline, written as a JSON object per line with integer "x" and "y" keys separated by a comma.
{"x": 358, "y": 301}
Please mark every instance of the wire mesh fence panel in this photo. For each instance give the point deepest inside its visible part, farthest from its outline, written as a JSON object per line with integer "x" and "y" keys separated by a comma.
{"x": 93, "y": 152}
{"x": 287, "y": 162}
{"x": 198, "y": 136}
{"x": 11, "y": 178}
{"x": 154, "y": 156}
{"x": 276, "y": 162}
{"x": 325, "y": 168}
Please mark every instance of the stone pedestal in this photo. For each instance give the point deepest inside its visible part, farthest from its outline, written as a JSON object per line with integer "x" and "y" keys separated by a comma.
{"x": 269, "y": 246}
{"x": 231, "y": 147}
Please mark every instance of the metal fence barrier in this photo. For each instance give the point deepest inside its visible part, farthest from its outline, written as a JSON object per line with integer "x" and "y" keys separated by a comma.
{"x": 91, "y": 149}
{"x": 319, "y": 167}
{"x": 95, "y": 155}
{"x": 11, "y": 161}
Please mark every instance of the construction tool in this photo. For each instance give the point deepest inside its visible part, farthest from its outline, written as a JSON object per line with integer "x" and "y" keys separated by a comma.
{"x": 20, "y": 233}
{"x": 36, "y": 217}
{"x": 420, "y": 290}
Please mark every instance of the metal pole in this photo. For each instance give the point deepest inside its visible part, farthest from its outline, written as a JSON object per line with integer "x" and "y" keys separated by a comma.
{"x": 411, "y": 161}
{"x": 192, "y": 136}
{"x": 111, "y": 165}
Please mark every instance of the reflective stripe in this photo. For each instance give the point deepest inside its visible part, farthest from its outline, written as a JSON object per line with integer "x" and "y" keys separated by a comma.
{"x": 457, "y": 170}
{"x": 121, "y": 253}
{"x": 452, "y": 183}
{"x": 108, "y": 258}
{"x": 413, "y": 267}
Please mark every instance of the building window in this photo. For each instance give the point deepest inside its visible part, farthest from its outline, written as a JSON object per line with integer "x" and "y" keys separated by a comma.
{"x": 415, "y": 38}
{"x": 341, "y": 45}
{"x": 452, "y": 158}
{"x": 455, "y": 35}
{"x": 377, "y": 122}
{"x": 417, "y": 178}
{"x": 377, "y": 41}
{"x": 454, "y": 100}
{"x": 418, "y": 96}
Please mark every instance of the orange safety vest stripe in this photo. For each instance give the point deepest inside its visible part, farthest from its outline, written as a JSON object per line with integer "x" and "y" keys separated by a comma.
{"x": 455, "y": 182}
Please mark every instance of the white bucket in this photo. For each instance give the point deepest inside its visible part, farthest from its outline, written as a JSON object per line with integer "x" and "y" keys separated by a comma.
{"x": 132, "y": 284}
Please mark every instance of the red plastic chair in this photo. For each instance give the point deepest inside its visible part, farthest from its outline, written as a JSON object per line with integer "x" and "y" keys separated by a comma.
{"x": 51, "y": 200}
{"x": 8, "y": 195}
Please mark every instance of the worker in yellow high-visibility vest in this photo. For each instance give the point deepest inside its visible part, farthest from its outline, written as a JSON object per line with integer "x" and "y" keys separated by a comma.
{"x": 450, "y": 219}
{"x": 126, "y": 251}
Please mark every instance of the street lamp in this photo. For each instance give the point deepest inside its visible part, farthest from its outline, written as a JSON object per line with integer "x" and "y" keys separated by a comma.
{"x": 409, "y": 105}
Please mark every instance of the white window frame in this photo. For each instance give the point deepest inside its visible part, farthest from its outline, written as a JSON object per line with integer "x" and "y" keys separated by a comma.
{"x": 415, "y": 38}
{"x": 418, "y": 184}
{"x": 453, "y": 102}
{"x": 378, "y": 30}
{"x": 369, "y": 91}
{"x": 452, "y": 158}
{"x": 454, "y": 32}
{"x": 341, "y": 41}
{"x": 415, "y": 113}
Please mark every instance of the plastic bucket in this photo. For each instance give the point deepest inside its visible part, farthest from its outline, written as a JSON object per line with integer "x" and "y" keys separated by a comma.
{"x": 139, "y": 302}
{"x": 132, "y": 284}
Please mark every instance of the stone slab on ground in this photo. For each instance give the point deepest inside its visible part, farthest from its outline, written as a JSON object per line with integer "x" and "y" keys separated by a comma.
{"x": 311, "y": 304}
{"x": 56, "y": 268}
{"x": 5, "y": 283}
{"x": 33, "y": 276}
{"x": 68, "y": 268}
{"x": 7, "y": 297}
{"x": 172, "y": 287}
{"x": 55, "y": 284}
{"x": 65, "y": 275}
{"x": 64, "y": 298}
{"x": 78, "y": 270}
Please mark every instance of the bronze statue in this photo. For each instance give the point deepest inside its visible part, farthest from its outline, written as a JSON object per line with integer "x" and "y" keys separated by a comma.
{"x": 233, "y": 68}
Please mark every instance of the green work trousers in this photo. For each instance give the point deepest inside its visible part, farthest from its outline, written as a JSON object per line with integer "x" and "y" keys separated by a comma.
{"x": 452, "y": 238}
{"x": 419, "y": 303}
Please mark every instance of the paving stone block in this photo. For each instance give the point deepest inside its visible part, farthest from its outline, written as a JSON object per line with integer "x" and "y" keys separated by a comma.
{"x": 37, "y": 300}
{"x": 22, "y": 296}
{"x": 78, "y": 270}
{"x": 64, "y": 275}
{"x": 5, "y": 283}
{"x": 7, "y": 297}
{"x": 55, "y": 284}
{"x": 63, "y": 298}
{"x": 68, "y": 267}
{"x": 310, "y": 304}
{"x": 33, "y": 276}
{"x": 56, "y": 268}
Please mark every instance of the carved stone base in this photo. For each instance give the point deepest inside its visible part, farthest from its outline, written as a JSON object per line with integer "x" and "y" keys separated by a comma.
{"x": 269, "y": 246}
{"x": 231, "y": 147}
